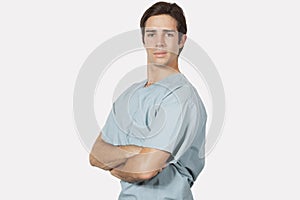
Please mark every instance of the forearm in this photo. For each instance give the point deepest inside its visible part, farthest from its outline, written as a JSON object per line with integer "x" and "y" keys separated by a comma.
{"x": 105, "y": 166}
{"x": 107, "y": 156}
{"x": 142, "y": 166}
{"x": 124, "y": 175}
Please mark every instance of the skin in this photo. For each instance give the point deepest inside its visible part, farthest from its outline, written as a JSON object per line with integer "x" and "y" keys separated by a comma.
{"x": 147, "y": 160}
{"x": 133, "y": 163}
{"x": 107, "y": 156}
{"x": 128, "y": 163}
{"x": 162, "y": 47}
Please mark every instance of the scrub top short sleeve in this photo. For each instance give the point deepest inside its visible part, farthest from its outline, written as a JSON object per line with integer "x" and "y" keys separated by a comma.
{"x": 173, "y": 127}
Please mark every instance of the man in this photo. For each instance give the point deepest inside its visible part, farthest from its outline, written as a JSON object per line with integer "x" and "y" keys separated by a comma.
{"x": 153, "y": 139}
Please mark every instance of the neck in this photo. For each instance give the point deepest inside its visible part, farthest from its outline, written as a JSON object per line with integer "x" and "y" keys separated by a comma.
{"x": 156, "y": 73}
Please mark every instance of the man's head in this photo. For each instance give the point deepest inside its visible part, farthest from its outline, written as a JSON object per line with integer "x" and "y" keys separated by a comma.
{"x": 163, "y": 27}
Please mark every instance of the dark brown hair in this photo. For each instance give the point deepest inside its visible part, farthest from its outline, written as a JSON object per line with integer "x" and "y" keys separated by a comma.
{"x": 171, "y": 9}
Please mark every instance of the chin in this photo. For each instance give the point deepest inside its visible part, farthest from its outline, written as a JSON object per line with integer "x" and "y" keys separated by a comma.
{"x": 160, "y": 62}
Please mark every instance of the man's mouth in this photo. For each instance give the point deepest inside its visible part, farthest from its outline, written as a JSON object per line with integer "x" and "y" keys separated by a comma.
{"x": 160, "y": 54}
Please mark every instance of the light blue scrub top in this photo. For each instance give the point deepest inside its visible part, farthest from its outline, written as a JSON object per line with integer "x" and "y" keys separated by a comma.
{"x": 170, "y": 116}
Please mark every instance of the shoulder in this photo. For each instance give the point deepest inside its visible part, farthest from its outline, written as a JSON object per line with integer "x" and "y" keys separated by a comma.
{"x": 189, "y": 99}
{"x": 187, "y": 94}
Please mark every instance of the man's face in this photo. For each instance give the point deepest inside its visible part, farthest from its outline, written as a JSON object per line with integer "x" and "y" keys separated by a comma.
{"x": 161, "y": 40}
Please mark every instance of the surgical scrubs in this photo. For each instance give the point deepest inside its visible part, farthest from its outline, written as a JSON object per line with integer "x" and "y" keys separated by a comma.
{"x": 170, "y": 116}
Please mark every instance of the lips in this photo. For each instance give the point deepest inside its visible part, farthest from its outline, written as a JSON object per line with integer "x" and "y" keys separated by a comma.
{"x": 160, "y": 54}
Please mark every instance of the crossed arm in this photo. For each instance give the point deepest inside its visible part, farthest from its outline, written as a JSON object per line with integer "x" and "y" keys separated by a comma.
{"x": 129, "y": 163}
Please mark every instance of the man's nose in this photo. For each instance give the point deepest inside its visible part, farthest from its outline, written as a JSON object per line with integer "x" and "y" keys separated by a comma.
{"x": 160, "y": 41}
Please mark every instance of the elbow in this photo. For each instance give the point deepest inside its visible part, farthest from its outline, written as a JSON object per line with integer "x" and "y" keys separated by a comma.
{"x": 96, "y": 163}
{"x": 93, "y": 160}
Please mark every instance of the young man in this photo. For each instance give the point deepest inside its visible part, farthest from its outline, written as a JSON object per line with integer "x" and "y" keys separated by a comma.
{"x": 153, "y": 139}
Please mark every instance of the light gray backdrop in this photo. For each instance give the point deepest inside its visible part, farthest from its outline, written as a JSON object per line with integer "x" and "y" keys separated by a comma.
{"x": 254, "y": 45}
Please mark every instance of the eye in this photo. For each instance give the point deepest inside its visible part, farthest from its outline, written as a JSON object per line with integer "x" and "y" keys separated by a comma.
{"x": 170, "y": 34}
{"x": 150, "y": 35}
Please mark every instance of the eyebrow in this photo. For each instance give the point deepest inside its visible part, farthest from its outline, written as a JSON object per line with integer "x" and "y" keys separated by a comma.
{"x": 164, "y": 30}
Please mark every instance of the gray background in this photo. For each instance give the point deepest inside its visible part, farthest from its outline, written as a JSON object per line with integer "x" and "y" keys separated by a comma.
{"x": 252, "y": 43}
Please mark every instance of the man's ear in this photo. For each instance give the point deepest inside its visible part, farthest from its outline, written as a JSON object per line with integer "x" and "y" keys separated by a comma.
{"x": 182, "y": 41}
